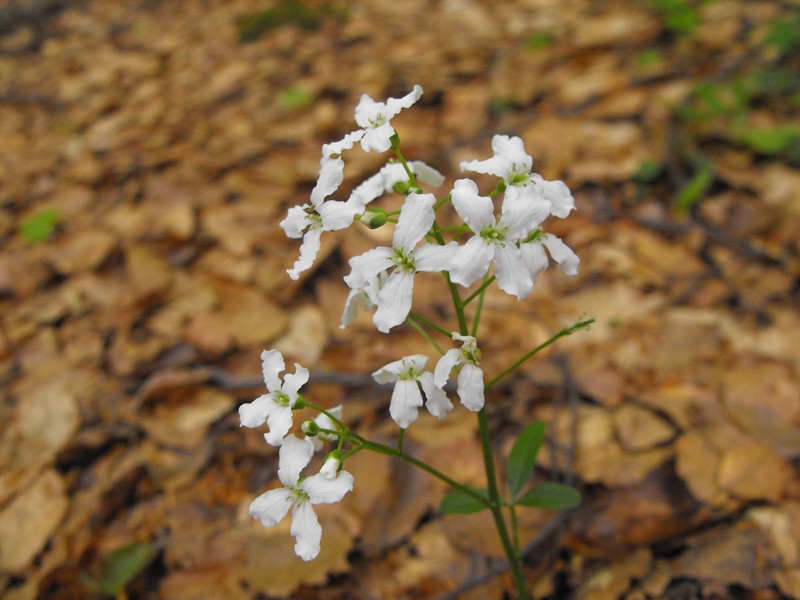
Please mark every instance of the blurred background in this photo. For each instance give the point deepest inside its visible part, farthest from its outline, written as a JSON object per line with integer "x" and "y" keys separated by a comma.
{"x": 148, "y": 151}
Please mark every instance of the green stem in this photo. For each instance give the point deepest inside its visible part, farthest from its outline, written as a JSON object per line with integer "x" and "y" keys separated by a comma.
{"x": 495, "y": 502}
{"x": 426, "y": 321}
{"x": 513, "y": 555}
{"x": 486, "y": 283}
{"x": 476, "y": 320}
{"x": 566, "y": 331}
{"x": 421, "y": 330}
{"x": 398, "y": 453}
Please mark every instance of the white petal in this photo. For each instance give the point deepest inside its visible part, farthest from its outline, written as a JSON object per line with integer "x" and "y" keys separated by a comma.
{"x": 345, "y": 143}
{"x": 322, "y": 490}
{"x": 279, "y": 422}
{"x": 395, "y": 105}
{"x": 308, "y": 252}
{"x": 512, "y": 276}
{"x": 470, "y": 387}
{"x": 567, "y": 260}
{"x": 524, "y": 208}
{"x": 534, "y": 257}
{"x": 339, "y": 215}
{"x": 306, "y": 530}
{"x": 294, "y": 456}
{"x": 378, "y": 138}
{"x": 437, "y": 402}
{"x": 331, "y": 174}
{"x": 426, "y": 174}
{"x": 472, "y": 261}
{"x": 394, "y": 300}
{"x": 558, "y": 194}
{"x": 272, "y": 366}
{"x": 329, "y": 468}
{"x": 433, "y": 257}
{"x": 296, "y": 221}
{"x": 446, "y": 363}
{"x": 294, "y": 381}
{"x": 476, "y": 210}
{"x": 406, "y": 398}
{"x": 416, "y": 218}
{"x": 368, "y": 111}
{"x": 497, "y": 165}
{"x": 368, "y": 265}
{"x": 253, "y": 414}
{"x": 513, "y": 150}
{"x": 270, "y": 507}
{"x": 370, "y": 189}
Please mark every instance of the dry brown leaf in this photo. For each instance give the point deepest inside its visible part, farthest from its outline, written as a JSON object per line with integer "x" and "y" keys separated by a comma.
{"x": 29, "y": 520}
{"x": 306, "y": 338}
{"x": 640, "y": 429}
{"x": 81, "y": 251}
{"x": 185, "y": 424}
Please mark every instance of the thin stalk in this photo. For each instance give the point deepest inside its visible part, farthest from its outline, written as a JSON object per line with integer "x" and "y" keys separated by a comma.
{"x": 513, "y": 555}
{"x": 397, "y": 453}
{"x": 486, "y": 283}
{"x": 476, "y": 320}
{"x": 421, "y": 330}
{"x": 495, "y": 502}
{"x": 426, "y": 321}
{"x": 564, "y": 332}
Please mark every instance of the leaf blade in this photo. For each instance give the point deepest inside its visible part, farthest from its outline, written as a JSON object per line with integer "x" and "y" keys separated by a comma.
{"x": 523, "y": 454}
{"x": 552, "y": 496}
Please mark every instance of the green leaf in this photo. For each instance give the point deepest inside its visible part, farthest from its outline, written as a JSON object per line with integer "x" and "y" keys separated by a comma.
{"x": 693, "y": 191}
{"x": 461, "y": 503}
{"x": 295, "y": 97}
{"x": 553, "y": 496}
{"x": 122, "y": 565}
{"x": 37, "y": 228}
{"x": 771, "y": 141}
{"x": 540, "y": 39}
{"x": 523, "y": 456}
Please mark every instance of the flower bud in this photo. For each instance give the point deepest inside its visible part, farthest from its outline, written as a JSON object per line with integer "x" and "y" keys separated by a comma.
{"x": 374, "y": 217}
{"x": 332, "y": 464}
{"x": 309, "y": 428}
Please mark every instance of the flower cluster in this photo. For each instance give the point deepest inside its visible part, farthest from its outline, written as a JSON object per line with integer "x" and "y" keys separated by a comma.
{"x": 513, "y": 246}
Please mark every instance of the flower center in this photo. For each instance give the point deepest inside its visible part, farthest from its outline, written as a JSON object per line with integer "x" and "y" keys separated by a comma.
{"x": 282, "y": 399}
{"x": 403, "y": 260}
{"x": 377, "y": 121}
{"x": 518, "y": 175}
{"x": 534, "y": 235}
{"x": 300, "y": 495}
{"x": 410, "y": 373}
{"x": 493, "y": 233}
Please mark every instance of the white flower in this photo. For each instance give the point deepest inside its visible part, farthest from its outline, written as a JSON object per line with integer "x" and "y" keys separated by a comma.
{"x": 535, "y": 259}
{"x": 394, "y": 298}
{"x": 409, "y": 374}
{"x": 331, "y": 465}
{"x": 493, "y": 240}
{"x": 365, "y": 297}
{"x": 374, "y": 118}
{"x": 276, "y": 406}
{"x": 393, "y": 173}
{"x": 310, "y": 220}
{"x": 323, "y": 421}
{"x": 513, "y": 165}
{"x": 272, "y": 506}
{"x": 470, "y": 379}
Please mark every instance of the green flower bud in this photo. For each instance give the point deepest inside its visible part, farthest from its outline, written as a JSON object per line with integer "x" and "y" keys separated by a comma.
{"x": 374, "y": 217}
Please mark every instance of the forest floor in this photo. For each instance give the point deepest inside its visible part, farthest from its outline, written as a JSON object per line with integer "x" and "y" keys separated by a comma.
{"x": 148, "y": 151}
